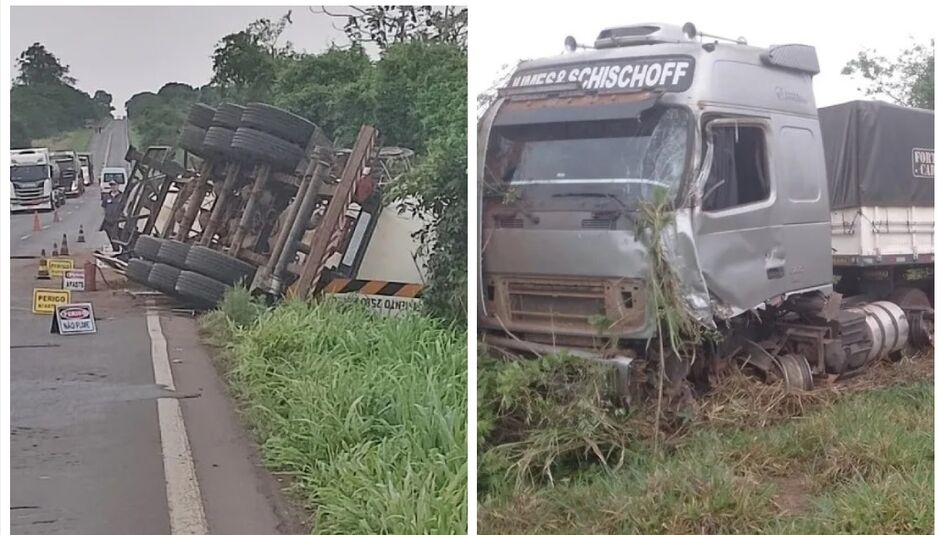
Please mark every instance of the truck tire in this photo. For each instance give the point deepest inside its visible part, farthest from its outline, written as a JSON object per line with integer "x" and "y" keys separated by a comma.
{"x": 218, "y": 266}
{"x": 257, "y": 145}
{"x": 218, "y": 141}
{"x": 200, "y": 290}
{"x": 907, "y": 297}
{"x": 278, "y": 122}
{"x": 138, "y": 270}
{"x": 920, "y": 323}
{"x": 163, "y": 278}
{"x": 147, "y": 247}
{"x": 201, "y": 115}
{"x": 173, "y": 253}
{"x": 191, "y": 138}
{"x": 228, "y": 116}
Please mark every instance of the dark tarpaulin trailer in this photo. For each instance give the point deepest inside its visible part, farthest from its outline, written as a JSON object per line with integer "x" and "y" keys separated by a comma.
{"x": 878, "y": 154}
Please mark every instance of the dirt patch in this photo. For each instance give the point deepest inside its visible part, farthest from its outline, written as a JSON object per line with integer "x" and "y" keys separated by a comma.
{"x": 792, "y": 496}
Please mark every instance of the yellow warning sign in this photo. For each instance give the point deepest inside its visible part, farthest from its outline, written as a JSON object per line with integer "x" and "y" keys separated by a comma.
{"x": 45, "y": 299}
{"x": 58, "y": 266}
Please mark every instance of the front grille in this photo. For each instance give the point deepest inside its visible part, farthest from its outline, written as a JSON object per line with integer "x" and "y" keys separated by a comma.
{"x": 27, "y": 193}
{"x": 599, "y": 223}
{"x": 566, "y": 304}
{"x": 508, "y": 222}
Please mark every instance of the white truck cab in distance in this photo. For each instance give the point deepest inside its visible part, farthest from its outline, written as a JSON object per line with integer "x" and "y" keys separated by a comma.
{"x": 32, "y": 180}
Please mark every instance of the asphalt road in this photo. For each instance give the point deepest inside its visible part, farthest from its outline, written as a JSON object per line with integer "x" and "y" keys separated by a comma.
{"x": 91, "y": 452}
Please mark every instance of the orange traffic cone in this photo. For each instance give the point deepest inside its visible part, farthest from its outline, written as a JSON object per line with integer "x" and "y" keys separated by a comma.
{"x": 64, "y": 251}
{"x": 37, "y": 224}
{"x": 81, "y": 234}
{"x": 55, "y": 249}
{"x": 43, "y": 273}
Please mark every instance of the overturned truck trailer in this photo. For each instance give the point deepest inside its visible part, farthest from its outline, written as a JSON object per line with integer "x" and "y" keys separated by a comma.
{"x": 261, "y": 198}
{"x": 724, "y": 138}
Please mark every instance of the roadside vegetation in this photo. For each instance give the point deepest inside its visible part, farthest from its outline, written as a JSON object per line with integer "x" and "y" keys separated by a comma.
{"x": 44, "y": 102}
{"x": 78, "y": 140}
{"x": 365, "y": 415}
{"x": 556, "y": 456}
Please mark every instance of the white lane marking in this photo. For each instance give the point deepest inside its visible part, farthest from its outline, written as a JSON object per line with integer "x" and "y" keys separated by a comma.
{"x": 183, "y": 497}
{"x": 44, "y": 227}
{"x": 68, "y": 213}
{"x": 24, "y": 237}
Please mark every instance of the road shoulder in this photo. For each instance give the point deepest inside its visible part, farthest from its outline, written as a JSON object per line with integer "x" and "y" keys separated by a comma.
{"x": 238, "y": 493}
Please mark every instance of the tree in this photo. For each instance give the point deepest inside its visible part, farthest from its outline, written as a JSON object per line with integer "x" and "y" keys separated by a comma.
{"x": 158, "y": 117}
{"x": 244, "y": 64}
{"x": 421, "y": 103}
{"x": 907, "y": 80}
{"x": 334, "y": 89}
{"x": 39, "y": 66}
{"x": 19, "y": 136}
{"x": 103, "y": 100}
{"x": 387, "y": 25}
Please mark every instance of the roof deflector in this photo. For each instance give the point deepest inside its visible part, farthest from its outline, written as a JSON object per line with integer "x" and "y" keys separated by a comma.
{"x": 794, "y": 57}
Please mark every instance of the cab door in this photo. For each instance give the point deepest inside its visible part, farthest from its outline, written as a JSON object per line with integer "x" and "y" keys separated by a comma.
{"x": 735, "y": 217}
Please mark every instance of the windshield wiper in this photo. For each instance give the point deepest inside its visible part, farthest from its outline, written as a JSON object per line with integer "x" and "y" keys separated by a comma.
{"x": 593, "y": 195}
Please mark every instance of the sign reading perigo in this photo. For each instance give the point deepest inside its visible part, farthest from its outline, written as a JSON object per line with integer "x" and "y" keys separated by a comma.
{"x": 667, "y": 73}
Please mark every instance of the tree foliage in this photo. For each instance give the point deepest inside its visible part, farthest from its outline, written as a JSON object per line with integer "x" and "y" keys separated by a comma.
{"x": 158, "y": 117}
{"x": 43, "y": 101}
{"x": 334, "y": 89}
{"x": 388, "y": 25}
{"x": 907, "y": 80}
{"x": 39, "y": 66}
{"x": 244, "y": 64}
{"x": 437, "y": 187}
{"x": 103, "y": 99}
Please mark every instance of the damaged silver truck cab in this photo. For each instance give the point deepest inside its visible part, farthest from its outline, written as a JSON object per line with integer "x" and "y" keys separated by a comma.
{"x": 727, "y": 134}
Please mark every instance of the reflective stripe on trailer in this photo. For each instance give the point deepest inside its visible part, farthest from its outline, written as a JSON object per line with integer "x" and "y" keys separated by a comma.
{"x": 369, "y": 287}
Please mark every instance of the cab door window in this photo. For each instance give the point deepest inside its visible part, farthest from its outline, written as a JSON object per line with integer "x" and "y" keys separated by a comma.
{"x": 739, "y": 173}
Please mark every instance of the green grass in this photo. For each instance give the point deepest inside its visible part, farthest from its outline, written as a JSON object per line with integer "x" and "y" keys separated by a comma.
{"x": 366, "y": 414}
{"x": 859, "y": 462}
{"x": 77, "y": 140}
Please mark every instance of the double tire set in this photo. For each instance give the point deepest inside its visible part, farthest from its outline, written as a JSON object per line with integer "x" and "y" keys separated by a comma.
{"x": 191, "y": 273}
{"x": 254, "y": 133}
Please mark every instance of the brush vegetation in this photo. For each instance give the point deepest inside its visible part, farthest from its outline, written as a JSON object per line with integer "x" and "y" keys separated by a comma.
{"x": 850, "y": 457}
{"x": 366, "y": 415}
{"x": 77, "y": 140}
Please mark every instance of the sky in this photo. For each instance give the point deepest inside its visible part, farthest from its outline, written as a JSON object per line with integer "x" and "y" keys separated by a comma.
{"x": 126, "y": 50}
{"x": 837, "y": 34}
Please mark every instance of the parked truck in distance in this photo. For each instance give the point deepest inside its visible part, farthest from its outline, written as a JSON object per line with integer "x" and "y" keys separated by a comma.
{"x": 725, "y": 139}
{"x": 70, "y": 172}
{"x": 33, "y": 181}
{"x": 88, "y": 167}
{"x": 879, "y": 160}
